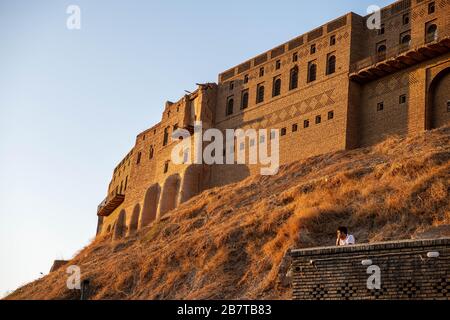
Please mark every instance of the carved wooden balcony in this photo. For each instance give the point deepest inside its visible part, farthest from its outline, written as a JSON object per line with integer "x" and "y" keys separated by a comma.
{"x": 400, "y": 57}
{"x": 107, "y": 206}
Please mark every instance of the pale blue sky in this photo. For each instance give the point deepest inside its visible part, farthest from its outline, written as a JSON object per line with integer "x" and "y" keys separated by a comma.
{"x": 72, "y": 102}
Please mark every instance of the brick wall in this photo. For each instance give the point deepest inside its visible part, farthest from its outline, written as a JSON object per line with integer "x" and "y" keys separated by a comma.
{"x": 337, "y": 273}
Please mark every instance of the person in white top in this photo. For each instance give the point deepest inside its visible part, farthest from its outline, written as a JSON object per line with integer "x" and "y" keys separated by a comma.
{"x": 343, "y": 238}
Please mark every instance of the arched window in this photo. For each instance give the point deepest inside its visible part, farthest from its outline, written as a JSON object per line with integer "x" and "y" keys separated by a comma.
{"x": 260, "y": 93}
{"x": 230, "y": 106}
{"x": 331, "y": 64}
{"x": 312, "y": 72}
{"x": 406, "y": 40}
{"x": 293, "y": 79}
{"x": 381, "y": 51}
{"x": 276, "y": 87}
{"x": 244, "y": 100}
{"x": 431, "y": 33}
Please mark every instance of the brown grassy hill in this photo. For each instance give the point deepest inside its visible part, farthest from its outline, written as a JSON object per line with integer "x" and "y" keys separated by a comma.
{"x": 228, "y": 242}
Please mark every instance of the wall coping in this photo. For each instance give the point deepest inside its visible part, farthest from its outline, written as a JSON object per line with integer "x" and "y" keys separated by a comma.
{"x": 368, "y": 247}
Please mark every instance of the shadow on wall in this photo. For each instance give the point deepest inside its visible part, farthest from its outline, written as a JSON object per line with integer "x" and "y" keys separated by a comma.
{"x": 438, "y": 101}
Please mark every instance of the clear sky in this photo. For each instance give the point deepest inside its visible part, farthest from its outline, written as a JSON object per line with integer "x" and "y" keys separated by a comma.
{"x": 73, "y": 101}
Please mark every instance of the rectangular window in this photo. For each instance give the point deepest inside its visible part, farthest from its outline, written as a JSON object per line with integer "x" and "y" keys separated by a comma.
{"x": 294, "y": 127}
{"x": 283, "y": 131}
{"x": 402, "y": 99}
{"x": 313, "y": 48}
{"x": 260, "y": 93}
{"x": 295, "y": 57}
{"x": 448, "y": 106}
{"x": 231, "y": 85}
{"x": 330, "y": 115}
{"x": 306, "y": 124}
{"x": 332, "y": 40}
{"x": 431, "y": 7}
{"x": 278, "y": 65}
{"x": 261, "y": 72}
{"x": 246, "y": 78}
{"x": 380, "y": 106}
{"x": 318, "y": 119}
{"x": 381, "y": 30}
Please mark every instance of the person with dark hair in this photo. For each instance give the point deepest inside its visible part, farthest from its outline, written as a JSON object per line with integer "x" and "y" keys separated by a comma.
{"x": 343, "y": 238}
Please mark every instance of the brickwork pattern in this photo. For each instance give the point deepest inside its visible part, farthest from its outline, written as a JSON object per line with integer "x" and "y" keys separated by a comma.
{"x": 337, "y": 273}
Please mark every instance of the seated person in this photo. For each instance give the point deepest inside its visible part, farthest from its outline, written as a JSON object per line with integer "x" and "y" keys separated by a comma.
{"x": 343, "y": 238}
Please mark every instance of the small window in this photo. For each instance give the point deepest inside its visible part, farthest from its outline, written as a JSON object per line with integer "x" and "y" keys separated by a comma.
{"x": 230, "y": 106}
{"x": 262, "y": 139}
{"x": 306, "y": 124}
{"x": 402, "y": 99}
{"x": 260, "y": 93}
{"x": 283, "y": 131}
{"x": 246, "y": 78}
{"x": 295, "y": 57}
{"x": 293, "y": 79}
{"x": 166, "y": 166}
{"x": 277, "y": 65}
{"x": 332, "y": 40}
{"x": 313, "y": 49}
{"x": 276, "y": 87}
{"x": 231, "y": 85}
{"x": 272, "y": 135}
{"x": 406, "y": 19}
{"x": 244, "y": 99}
{"x": 166, "y": 137}
{"x": 448, "y": 106}
{"x": 381, "y": 30}
{"x": 318, "y": 119}
{"x": 331, "y": 64}
{"x": 151, "y": 152}
{"x": 312, "y": 71}
{"x": 294, "y": 127}
{"x": 261, "y": 72}
{"x": 431, "y": 7}
{"x": 330, "y": 115}
{"x": 405, "y": 39}
{"x": 380, "y": 106}
{"x": 139, "y": 155}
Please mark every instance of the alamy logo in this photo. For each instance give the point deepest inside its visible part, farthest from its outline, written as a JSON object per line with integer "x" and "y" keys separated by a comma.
{"x": 74, "y": 20}
{"x": 74, "y": 280}
{"x": 374, "y": 20}
{"x": 231, "y": 149}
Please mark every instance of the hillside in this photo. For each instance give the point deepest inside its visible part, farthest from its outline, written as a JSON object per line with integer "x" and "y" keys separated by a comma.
{"x": 228, "y": 243}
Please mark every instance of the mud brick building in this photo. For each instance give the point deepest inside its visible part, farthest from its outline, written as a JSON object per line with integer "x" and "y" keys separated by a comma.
{"x": 407, "y": 270}
{"x": 340, "y": 86}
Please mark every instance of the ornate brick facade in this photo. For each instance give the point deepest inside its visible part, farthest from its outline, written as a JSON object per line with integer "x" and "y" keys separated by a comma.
{"x": 340, "y": 86}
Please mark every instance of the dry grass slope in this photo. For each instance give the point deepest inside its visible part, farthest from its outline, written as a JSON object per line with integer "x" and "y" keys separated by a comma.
{"x": 228, "y": 242}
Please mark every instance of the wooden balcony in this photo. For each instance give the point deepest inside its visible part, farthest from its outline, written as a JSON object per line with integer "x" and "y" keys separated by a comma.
{"x": 400, "y": 57}
{"x": 107, "y": 206}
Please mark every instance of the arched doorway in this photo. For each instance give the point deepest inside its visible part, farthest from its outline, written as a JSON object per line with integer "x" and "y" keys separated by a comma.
{"x": 438, "y": 109}
{"x": 190, "y": 186}
{"x": 150, "y": 205}
{"x": 169, "y": 195}
{"x": 135, "y": 219}
{"x": 120, "y": 228}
